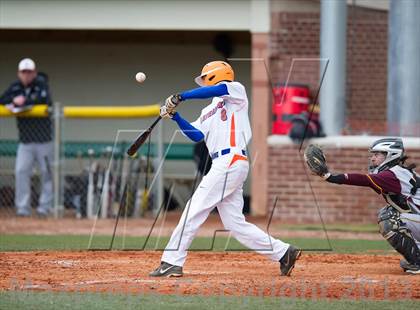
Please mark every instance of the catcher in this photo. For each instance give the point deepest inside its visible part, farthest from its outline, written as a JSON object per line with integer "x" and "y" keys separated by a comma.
{"x": 399, "y": 221}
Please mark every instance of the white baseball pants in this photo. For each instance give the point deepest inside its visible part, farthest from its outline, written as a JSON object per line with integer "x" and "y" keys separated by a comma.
{"x": 221, "y": 188}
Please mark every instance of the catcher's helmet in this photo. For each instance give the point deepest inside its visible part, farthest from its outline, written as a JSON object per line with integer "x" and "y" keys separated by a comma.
{"x": 215, "y": 72}
{"x": 394, "y": 150}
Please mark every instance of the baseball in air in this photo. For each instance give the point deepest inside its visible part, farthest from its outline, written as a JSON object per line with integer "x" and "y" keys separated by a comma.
{"x": 140, "y": 77}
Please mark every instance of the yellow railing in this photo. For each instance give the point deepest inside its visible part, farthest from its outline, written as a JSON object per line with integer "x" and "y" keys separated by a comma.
{"x": 37, "y": 111}
{"x": 89, "y": 111}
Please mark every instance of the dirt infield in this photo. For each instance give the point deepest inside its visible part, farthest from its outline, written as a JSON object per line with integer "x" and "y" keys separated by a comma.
{"x": 207, "y": 273}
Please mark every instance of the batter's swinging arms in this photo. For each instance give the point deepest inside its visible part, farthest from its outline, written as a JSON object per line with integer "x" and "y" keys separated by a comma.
{"x": 224, "y": 125}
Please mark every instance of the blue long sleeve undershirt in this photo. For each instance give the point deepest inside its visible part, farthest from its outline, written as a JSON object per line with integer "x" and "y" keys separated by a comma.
{"x": 189, "y": 130}
{"x": 198, "y": 93}
{"x": 205, "y": 92}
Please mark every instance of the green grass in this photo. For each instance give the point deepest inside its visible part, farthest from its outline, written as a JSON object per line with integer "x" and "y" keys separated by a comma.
{"x": 221, "y": 243}
{"x": 53, "y": 300}
{"x": 354, "y": 228}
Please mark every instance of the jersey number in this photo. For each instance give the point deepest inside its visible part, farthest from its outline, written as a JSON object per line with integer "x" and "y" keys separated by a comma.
{"x": 223, "y": 115}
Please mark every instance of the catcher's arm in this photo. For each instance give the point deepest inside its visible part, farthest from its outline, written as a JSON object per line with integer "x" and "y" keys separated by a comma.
{"x": 315, "y": 159}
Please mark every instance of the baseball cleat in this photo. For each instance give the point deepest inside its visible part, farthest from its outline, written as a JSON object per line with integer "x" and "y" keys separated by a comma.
{"x": 404, "y": 264}
{"x": 23, "y": 214}
{"x": 409, "y": 268}
{"x": 287, "y": 262}
{"x": 41, "y": 214}
{"x": 167, "y": 270}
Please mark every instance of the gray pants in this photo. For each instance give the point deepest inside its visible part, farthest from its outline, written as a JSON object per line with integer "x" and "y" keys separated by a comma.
{"x": 402, "y": 231}
{"x": 27, "y": 155}
{"x": 412, "y": 221}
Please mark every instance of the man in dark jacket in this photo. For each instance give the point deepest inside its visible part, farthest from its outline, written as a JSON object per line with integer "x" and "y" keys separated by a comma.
{"x": 35, "y": 137}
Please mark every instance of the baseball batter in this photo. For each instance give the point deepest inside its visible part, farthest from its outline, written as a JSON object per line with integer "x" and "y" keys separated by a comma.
{"x": 399, "y": 221}
{"x": 224, "y": 125}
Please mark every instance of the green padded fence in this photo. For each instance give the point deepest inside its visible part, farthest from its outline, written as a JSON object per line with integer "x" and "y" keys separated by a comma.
{"x": 177, "y": 151}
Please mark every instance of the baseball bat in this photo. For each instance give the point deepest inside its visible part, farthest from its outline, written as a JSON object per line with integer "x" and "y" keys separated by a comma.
{"x": 105, "y": 188}
{"x": 137, "y": 196}
{"x": 90, "y": 190}
{"x": 142, "y": 138}
{"x": 117, "y": 184}
{"x": 145, "y": 200}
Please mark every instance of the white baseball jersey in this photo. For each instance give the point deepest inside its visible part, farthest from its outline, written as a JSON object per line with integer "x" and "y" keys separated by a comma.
{"x": 405, "y": 177}
{"x": 225, "y": 122}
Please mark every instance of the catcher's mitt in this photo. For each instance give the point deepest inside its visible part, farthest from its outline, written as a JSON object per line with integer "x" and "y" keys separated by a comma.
{"x": 315, "y": 159}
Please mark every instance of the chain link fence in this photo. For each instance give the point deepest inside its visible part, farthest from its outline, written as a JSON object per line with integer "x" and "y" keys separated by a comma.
{"x": 44, "y": 174}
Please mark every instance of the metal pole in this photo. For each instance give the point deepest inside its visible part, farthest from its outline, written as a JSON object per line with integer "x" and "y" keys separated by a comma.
{"x": 403, "y": 100}
{"x": 57, "y": 164}
{"x": 333, "y": 47}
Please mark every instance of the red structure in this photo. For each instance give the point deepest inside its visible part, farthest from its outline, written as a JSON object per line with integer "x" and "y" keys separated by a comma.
{"x": 289, "y": 101}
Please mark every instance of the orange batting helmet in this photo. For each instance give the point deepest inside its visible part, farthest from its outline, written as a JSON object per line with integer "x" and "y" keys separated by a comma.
{"x": 215, "y": 72}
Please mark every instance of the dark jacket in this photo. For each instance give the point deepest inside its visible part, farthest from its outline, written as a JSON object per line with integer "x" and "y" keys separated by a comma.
{"x": 31, "y": 129}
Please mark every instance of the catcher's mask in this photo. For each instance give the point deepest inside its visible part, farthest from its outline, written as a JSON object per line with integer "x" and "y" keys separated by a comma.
{"x": 393, "y": 150}
{"x": 215, "y": 72}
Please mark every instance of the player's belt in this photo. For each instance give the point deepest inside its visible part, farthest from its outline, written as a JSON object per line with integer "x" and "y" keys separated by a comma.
{"x": 224, "y": 152}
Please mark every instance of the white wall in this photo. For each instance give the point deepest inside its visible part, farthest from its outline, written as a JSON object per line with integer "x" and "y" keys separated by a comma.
{"x": 137, "y": 15}
{"x": 314, "y": 5}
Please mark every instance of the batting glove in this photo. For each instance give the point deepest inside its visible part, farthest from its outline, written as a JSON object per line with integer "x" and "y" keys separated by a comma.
{"x": 165, "y": 113}
{"x": 171, "y": 102}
